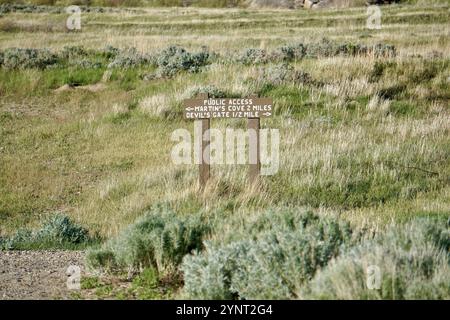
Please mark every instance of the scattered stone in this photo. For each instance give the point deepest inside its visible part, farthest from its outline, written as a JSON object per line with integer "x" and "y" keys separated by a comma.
{"x": 37, "y": 274}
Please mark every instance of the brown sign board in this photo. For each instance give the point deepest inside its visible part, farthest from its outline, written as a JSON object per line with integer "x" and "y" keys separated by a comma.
{"x": 195, "y": 109}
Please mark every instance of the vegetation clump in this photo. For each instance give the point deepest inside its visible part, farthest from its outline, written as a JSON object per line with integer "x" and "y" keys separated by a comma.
{"x": 324, "y": 48}
{"x": 270, "y": 258}
{"x": 129, "y": 58}
{"x": 48, "y": 8}
{"x": 73, "y": 52}
{"x": 174, "y": 59}
{"x": 290, "y": 255}
{"x": 57, "y": 231}
{"x": 412, "y": 262}
{"x": 159, "y": 239}
{"x": 283, "y": 73}
{"x": 289, "y": 52}
{"x": 17, "y": 58}
{"x": 211, "y": 90}
{"x": 110, "y": 52}
{"x": 29, "y": 8}
{"x": 328, "y": 48}
{"x": 253, "y": 56}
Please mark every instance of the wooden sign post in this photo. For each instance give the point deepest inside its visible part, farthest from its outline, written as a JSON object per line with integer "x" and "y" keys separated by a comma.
{"x": 204, "y": 109}
{"x": 254, "y": 168}
{"x": 205, "y": 139}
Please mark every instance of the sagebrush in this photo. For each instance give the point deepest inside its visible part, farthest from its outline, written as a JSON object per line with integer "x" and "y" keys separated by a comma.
{"x": 270, "y": 258}
{"x": 159, "y": 239}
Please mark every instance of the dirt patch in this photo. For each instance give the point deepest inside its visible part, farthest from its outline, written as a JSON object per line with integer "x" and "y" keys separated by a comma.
{"x": 90, "y": 87}
{"x": 63, "y": 88}
{"x": 37, "y": 274}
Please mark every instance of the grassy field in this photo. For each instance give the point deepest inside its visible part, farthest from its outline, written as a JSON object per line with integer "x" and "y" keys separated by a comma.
{"x": 364, "y": 139}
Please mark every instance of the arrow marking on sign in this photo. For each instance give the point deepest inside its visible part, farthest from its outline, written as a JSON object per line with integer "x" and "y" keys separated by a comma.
{"x": 267, "y": 114}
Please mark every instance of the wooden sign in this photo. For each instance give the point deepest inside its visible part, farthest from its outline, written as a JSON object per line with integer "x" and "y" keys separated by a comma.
{"x": 228, "y": 108}
{"x": 203, "y": 109}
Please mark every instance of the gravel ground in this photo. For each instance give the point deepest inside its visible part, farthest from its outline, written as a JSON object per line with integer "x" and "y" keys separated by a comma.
{"x": 37, "y": 274}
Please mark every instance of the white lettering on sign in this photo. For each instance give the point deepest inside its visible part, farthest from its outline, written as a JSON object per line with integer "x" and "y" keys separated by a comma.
{"x": 228, "y": 108}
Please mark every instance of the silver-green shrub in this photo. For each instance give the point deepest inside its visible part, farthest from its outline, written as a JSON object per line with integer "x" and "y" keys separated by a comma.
{"x": 253, "y": 56}
{"x": 17, "y": 58}
{"x": 384, "y": 50}
{"x": 159, "y": 239}
{"x": 71, "y": 52}
{"x": 61, "y": 228}
{"x": 174, "y": 59}
{"x": 110, "y": 52}
{"x": 413, "y": 261}
{"x": 211, "y": 90}
{"x": 289, "y": 52}
{"x": 57, "y": 231}
{"x": 328, "y": 48}
{"x": 283, "y": 73}
{"x": 270, "y": 258}
{"x": 59, "y": 9}
{"x": 325, "y": 48}
{"x": 129, "y": 58}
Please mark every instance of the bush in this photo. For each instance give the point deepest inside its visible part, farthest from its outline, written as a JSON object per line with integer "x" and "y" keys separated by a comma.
{"x": 61, "y": 229}
{"x": 72, "y": 52}
{"x": 159, "y": 239}
{"x": 128, "y": 58}
{"x": 413, "y": 261}
{"x": 110, "y": 52}
{"x": 325, "y": 48}
{"x": 253, "y": 56}
{"x": 57, "y": 231}
{"x": 15, "y": 58}
{"x": 282, "y": 74}
{"x": 43, "y": 2}
{"x": 328, "y": 48}
{"x": 290, "y": 4}
{"x": 289, "y": 52}
{"x": 270, "y": 258}
{"x": 73, "y": 56}
{"x": 120, "y": 3}
{"x": 85, "y": 6}
{"x": 175, "y": 59}
{"x": 384, "y": 50}
{"x": 79, "y": 57}
{"x": 212, "y": 91}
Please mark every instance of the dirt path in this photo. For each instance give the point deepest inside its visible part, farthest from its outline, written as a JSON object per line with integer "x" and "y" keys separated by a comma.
{"x": 37, "y": 274}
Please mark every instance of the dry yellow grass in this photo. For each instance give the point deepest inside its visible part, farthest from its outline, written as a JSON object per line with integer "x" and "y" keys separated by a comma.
{"x": 104, "y": 157}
